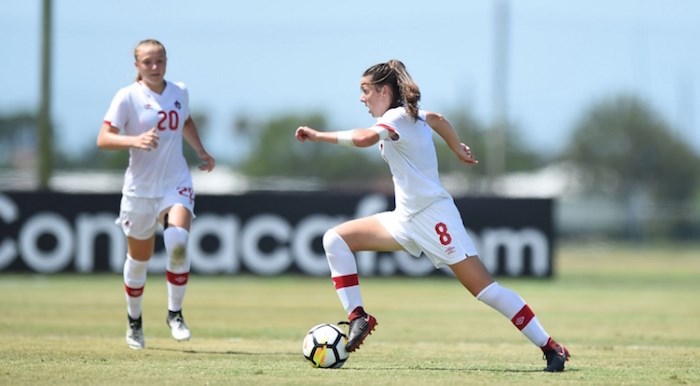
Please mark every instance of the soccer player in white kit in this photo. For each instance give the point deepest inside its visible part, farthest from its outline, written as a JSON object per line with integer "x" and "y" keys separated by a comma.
{"x": 150, "y": 118}
{"x": 425, "y": 218}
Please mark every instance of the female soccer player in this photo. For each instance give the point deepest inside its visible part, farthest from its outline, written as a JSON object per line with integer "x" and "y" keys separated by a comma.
{"x": 425, "y": 218}
{"x": 150, "y": 117}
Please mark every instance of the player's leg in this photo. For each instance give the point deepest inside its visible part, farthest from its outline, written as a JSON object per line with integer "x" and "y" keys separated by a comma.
{"x": 138, "y": 221}
{"x": 175, "y": 238}
{"x": 440, "y": 232}
{"x": 135, "y": 272}
{"x": 339, "y": 243}
{"x": 478, "y": 281}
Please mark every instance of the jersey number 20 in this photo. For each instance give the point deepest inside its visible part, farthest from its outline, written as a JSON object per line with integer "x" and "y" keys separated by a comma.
{"x": 168, "y": 120}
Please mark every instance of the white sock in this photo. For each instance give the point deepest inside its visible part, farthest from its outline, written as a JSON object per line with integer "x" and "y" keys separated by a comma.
{"x": 343, "y": 267}
{"x": 513, "y": 307}
{"x": 134, "y": 282}
{"x": 178, "y": 266}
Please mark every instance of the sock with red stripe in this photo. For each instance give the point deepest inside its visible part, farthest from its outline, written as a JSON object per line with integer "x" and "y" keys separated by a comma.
{"x": 178, "y": 266}
{"x": 135, "y": 272}
{"x": 343, "y": 267}
{"x": 513, "y": 307}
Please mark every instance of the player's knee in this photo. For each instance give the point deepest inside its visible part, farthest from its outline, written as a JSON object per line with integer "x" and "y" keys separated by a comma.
{"x": 333, "y": 243}
{"x": 175, "y": 241}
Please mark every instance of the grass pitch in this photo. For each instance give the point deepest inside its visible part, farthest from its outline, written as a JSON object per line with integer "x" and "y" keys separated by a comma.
{"x": 628, "y": 316}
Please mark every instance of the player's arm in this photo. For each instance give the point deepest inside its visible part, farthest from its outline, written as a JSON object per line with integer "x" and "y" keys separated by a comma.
{"x": 355, "y": 137}
{"x": 445, "y": 130}
{"x": 191, "y": 135}
{"x": 110, "y": 139}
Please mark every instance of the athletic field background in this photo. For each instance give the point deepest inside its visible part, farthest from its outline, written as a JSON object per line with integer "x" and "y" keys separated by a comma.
{"x": 629, "y": 315}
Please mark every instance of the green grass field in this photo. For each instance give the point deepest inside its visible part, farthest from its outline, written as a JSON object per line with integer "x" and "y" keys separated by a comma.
{"x": 628, "y": 315}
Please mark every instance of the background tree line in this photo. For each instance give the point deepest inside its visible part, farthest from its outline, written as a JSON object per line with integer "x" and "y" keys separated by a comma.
{"x": 621, "y": 149}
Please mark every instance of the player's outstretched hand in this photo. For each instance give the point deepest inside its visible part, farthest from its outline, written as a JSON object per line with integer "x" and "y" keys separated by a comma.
{"x": 304, "y": 134}
{"x": 465, "y": 155}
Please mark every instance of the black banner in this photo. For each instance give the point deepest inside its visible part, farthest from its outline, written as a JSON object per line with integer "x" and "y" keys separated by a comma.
{"x": 262, "y": 233}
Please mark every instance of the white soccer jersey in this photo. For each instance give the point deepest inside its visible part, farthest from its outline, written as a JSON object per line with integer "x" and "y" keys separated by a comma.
{"x": 136, "y": 109}
{"x": 412, "y": 160}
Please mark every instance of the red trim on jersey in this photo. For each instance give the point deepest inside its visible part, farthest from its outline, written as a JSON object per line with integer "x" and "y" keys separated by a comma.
{"x": 133, "y": 292}
{"x": 346, "y": 281}
{"x": 523, "y": 317}
{"x": 384, "y": 125}
{"x": 177, "y": 278}
{"x": 107, "y": 123}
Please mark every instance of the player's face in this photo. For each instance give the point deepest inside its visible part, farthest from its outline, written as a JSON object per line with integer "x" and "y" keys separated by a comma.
{"x": 151, "y": 63}
{"x": 376, "y": 99}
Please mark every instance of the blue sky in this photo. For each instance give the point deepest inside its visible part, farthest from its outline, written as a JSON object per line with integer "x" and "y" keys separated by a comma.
{"x": 269, "y": 57}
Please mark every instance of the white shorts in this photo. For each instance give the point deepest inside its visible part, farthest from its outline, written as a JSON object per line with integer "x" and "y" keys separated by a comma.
{"x": 437, "y": 231}
{"x": 138, "y": 216}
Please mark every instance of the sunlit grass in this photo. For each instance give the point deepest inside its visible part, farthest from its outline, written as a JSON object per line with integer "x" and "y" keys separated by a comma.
{"x": 629, "y": 316}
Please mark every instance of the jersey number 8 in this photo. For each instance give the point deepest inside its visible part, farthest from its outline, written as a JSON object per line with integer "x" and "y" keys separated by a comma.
{"x": 441, "y": 230}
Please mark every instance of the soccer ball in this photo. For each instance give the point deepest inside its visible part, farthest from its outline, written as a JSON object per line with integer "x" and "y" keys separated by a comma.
{"x": 324, "y": 346}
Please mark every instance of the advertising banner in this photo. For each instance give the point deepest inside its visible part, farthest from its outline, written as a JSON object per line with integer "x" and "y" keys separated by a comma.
{"x": 260, "y": 233}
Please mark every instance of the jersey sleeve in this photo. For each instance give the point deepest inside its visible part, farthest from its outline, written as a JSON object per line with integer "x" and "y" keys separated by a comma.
{"x": 118, "y": 112}
{"x": 383, "y": 130}
{"x": 387, "y": 124}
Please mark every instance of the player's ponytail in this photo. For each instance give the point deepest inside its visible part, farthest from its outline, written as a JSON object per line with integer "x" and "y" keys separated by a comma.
{"x": 408, "y": 89}
{"x": 394, "y": 74}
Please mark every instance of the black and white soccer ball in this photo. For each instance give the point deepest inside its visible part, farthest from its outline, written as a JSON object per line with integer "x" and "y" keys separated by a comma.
{"x": 324, "y": 346}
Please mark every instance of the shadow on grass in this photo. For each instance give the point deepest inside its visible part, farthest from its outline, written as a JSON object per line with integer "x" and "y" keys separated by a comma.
{"x": 210, "y": 352}
{"x": 393, "y": 368}
{"x": 469, "y": 369}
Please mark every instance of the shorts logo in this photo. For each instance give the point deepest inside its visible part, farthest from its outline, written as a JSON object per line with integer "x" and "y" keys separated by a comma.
{"x": 450, "y": 250}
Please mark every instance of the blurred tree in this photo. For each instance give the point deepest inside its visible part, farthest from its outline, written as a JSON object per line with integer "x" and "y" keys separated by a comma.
{"x": 626, "y": 151}
{"x": 473, "y": 133}
{"x": 18, "y": 139}
{"x": 19, "y": 144}
{"x": 623, "y": 145}
{"x": 95, "y": 158}
{"x": 277, "y": 153}
{"x": 274, "y": 152}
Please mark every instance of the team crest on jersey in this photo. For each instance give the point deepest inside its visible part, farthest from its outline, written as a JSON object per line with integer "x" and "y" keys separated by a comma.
{"x": 177, "y": 104}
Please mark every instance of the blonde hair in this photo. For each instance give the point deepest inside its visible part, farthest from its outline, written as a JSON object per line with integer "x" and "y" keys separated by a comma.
{"x": 152, "y": 42}
{"x": 394, "y": 74}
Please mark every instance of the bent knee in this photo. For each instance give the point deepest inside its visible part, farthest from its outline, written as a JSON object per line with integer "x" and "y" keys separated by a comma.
{"x": 331, "y": 240}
